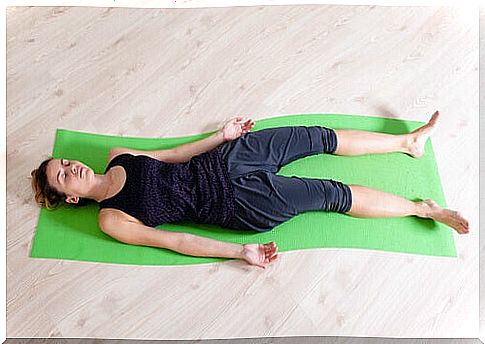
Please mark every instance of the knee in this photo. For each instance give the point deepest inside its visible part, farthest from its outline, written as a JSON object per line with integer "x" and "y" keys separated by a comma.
{"x": 329, "y": 138}
{"x": 340, "y": 197}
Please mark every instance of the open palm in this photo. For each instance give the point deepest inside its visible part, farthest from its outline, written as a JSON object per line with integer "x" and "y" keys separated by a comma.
{"x": 260, "y": 254}
{"x": 236, "y": 127}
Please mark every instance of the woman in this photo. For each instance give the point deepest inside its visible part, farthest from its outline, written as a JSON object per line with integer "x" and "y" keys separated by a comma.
{"x": 229, "y": 179}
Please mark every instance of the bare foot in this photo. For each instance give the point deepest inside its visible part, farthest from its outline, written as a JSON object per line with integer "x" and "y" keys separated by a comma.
{"x": 449, "y": 217}
{"x": 417, "y": 138}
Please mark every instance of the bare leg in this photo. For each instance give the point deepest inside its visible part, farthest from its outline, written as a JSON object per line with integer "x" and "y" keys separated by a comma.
{"x": 357, "y": 142}
{"x": 368, "y": 202}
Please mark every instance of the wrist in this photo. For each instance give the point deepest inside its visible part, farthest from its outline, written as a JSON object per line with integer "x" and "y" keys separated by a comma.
{"x": 220, "y": 137}
{"x": 240, "y": 252}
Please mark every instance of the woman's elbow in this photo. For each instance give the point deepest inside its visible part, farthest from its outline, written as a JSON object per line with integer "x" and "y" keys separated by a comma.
{"x": 135, "y": 234}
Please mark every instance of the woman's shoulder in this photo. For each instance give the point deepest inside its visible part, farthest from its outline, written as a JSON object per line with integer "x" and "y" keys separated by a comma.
{"x": 117, "y": 157}
{"x": 118, "y": 151}
{"x": 109, "y": 217}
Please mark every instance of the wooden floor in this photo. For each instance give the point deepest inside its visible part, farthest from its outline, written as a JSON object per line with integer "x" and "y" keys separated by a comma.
{"x": 178, "y": 72}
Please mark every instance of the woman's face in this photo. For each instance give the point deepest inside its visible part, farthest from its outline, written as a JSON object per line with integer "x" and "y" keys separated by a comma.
{"x": 72, "y": 177}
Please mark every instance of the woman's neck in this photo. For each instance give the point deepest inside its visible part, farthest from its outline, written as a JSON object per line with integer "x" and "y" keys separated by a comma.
{"x": 107, "y": 185}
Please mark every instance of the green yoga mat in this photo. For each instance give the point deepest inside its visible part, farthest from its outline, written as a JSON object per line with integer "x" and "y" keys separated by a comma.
{"x": 72, "y": 232}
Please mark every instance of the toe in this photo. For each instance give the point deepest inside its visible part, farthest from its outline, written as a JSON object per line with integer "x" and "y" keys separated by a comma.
{"x": 434, "y": 117}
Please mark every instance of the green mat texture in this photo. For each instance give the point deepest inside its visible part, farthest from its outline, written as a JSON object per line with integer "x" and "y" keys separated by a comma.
{"x": 73, "y": 233}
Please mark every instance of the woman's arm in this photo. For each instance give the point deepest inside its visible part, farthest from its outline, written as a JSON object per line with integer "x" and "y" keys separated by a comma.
{"x": 186, "y": 151}
{"x": 233, "y": 129}
{"x": 179, "y": 154}
{"x": 186, "y": 243}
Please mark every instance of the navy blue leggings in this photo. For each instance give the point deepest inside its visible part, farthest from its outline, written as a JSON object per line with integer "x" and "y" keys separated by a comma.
{"x": 264, "y": 199}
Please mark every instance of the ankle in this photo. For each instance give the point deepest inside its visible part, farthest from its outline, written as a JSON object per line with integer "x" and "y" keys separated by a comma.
{"x": 407, "y": 143}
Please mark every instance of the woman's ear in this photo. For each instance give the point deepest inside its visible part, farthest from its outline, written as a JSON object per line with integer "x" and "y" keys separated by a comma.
{"x": 72, "y": 199}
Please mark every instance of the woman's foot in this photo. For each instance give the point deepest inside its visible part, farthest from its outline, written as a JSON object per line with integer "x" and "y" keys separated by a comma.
{"x": 417, "y": 138}
{"x": 449, "y": 217}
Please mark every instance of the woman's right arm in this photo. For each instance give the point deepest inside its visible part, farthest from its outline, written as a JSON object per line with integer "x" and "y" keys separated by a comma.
{"x": 189, "y": 244}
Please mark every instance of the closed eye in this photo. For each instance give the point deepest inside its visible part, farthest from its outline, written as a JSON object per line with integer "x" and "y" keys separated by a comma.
{"x": 64, "y": 163}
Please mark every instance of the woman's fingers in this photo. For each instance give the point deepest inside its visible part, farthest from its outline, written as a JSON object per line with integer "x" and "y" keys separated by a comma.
{"x": 239, "y": 119}
{"x": 269, "y": 246}
{"x": 245, "y": 120}
{"x": 271, "y": 259}
{"x": 259, "y": 254}
{"x": 270, "y": 250}
{"x": 245, "y": 123}
{"x": 266, "y": 254}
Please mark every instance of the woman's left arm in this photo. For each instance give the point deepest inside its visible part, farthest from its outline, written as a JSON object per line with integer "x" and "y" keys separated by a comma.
{"x": 232, "y": 130}
{"x": 186, "y": 151}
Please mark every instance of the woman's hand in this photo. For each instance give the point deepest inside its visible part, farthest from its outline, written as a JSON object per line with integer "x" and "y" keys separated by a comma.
{"x": 260, "y": 254}
{"x": 236, "y": 127}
